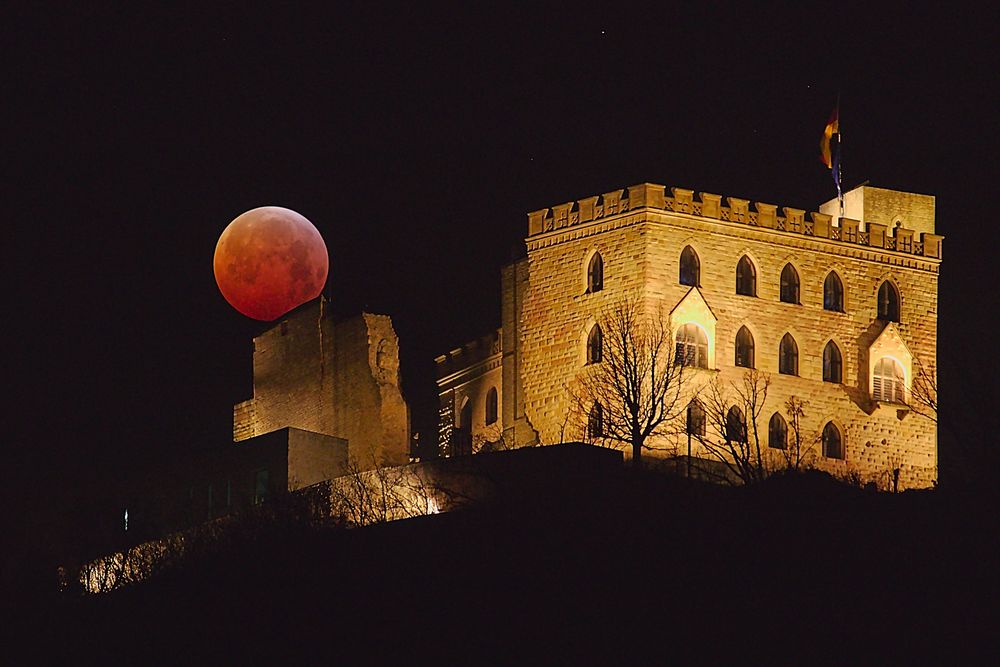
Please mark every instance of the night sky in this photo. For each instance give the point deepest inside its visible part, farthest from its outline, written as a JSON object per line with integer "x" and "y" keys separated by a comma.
{"x": 416, "y": 137}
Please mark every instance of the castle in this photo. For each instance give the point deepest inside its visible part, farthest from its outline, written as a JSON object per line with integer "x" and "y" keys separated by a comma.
{"x": 837, "y": 307}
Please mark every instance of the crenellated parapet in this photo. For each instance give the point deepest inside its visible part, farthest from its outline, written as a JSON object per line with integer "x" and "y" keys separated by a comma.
{"x": 470, "y": 354}
{"x": 737, "y": 211}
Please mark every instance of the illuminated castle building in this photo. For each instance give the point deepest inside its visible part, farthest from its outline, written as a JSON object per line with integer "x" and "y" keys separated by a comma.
{"x": 839, "y": 311}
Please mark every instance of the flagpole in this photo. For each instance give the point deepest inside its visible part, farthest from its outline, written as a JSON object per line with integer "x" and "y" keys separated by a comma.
{"x": 840, "y": 157}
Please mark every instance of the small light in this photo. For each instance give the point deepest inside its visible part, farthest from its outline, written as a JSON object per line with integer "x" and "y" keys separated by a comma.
{"x": 126, "y": 518}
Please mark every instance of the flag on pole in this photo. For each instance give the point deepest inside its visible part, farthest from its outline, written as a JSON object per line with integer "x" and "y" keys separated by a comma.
{"x": 832, "y": 128}
{"x": 830, "y": 156}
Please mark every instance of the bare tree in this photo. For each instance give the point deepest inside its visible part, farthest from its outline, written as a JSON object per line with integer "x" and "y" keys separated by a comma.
{"x": 376, "y": 493}
{"x": 630, "y": 396}
{"x": 797, "y": 450}
{"x": 732, "y": 411}
{"x": 923, "y": 392}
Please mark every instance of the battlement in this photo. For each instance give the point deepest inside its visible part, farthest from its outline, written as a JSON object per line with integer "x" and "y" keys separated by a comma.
{"x": 706, "y": 205}
{"x": 469, "y": 354}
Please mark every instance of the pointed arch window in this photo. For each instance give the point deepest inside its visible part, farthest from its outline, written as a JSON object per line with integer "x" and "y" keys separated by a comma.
{"x": 789, "y": 284}
{"x": 833, "y": 293}
{"x": 695, "y": 419}
{"x": 833, "y": 442}
{"x": 746, "y": 277}
{"x": 595, "y": 422}
{"x": 788, "y": 356}
{"x": 777, "y": 432}
{"x": 595, "y": 345}
{"x": 595, "y": 274}
{"x": 833, "y": 364}
{"x": 491, "y": 406}
{"x": 692, "y": 346}
{"x": 736, "y": 426}
{"x": 889, "y": 381}
{"x": 888, "y": 302}
{"x": 690, "y": 267}
{"x": 744, "y": 348}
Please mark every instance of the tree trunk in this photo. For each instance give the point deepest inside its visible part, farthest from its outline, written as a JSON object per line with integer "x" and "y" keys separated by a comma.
{"x": 636, "y": 453}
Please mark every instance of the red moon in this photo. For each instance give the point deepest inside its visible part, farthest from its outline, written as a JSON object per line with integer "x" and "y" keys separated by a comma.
{"x": 270, "y": 260}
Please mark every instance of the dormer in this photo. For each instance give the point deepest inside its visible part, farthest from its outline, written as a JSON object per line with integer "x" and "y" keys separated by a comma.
{"x": 890, "y": 367}
{"x": 693, "y": 309}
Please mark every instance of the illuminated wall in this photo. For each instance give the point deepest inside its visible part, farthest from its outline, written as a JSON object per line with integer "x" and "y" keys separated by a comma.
{"x": 339, "y": 378}
{"x": 641, "y": 232}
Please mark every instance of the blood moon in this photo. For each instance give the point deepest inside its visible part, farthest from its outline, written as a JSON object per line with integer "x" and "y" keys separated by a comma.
{"x": 270, "y": 260}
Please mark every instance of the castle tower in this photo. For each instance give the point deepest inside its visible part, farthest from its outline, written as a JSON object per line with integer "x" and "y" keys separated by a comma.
{"x": 839, "y": 312}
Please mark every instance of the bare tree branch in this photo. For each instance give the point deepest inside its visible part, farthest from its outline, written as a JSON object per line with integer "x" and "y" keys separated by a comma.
{"x": 636, "y": 383}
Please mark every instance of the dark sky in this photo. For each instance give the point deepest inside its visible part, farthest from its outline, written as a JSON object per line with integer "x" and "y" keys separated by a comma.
{"x": 416, "y": 137}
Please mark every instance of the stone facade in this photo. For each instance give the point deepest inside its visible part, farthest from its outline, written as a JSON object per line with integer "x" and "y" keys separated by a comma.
{"x": 338, "y": 378}
{"x": 470, "y": 378}
{"x": 640, "y": 233}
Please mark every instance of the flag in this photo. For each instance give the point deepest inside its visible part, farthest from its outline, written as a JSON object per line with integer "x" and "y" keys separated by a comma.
{"x": 832, "y": 128}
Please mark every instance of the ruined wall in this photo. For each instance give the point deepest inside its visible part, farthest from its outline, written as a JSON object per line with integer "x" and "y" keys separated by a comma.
{"x": 640, "y": 234}
{"x": 335, "y": 378}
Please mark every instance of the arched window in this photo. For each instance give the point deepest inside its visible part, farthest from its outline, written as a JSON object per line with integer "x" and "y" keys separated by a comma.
{"x": 692, "y": 346}
{"x": 744, "y": 348}
{"x": 491, "y": 406}
{"x": 833, "y": 444}
{"x": 595, "y": 422}
{"x": 595, "y": 274}
{"x": 888, "y": 381}
{"x": 736, "y": 426}
{"x": 833, "y": 293}
{"x": 888, "y": 302}
{"x": 595, "y": 343}
{"x": 789, "y": 284}
{"x": 746, "y": 277}
{"x": 833, "y": 364}
{"x": 695, "y": 418}
{"x": 777, "y": 432}
{"x": 788, "y": 356}
{"x": 690, "y": 267}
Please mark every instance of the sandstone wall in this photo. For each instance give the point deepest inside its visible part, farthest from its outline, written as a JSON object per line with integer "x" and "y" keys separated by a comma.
{"x": 334, "y": 378}
{"x": 641, "y": 249}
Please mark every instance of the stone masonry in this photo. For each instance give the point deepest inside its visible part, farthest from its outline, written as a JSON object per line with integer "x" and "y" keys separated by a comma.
{"x": 335, "y": 378}
{"x": 640, "y": 233}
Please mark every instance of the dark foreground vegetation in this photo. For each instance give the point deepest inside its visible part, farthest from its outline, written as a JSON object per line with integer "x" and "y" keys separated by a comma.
{"x": 799, "y": 568}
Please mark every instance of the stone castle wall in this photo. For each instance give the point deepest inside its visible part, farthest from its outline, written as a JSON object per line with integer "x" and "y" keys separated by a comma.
{"x": 334, "y": 378}
{"x": 641, "y": 247}
{"x": 466, "y": 375}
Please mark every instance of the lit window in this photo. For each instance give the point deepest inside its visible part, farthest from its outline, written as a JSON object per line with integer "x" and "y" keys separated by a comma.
{"x": 833, "y": 444}
{"x": 777, "y": 432}
{"x": 744, "y": 348}
{"x": 595, "y": 342}
{"x": 788, "y": 356}
{"x": 789, "y": 284}
{"x": 690, "y": 267}
{"x": 692, "y": 346}
{"x": 736, "y": 426}
{"x": 888, "y": 302}
{"x": 833, "y": 293}
{"x": 595, "y": 422}
{"x": 695, "y": 419}
{"x": 595, "y": 274}
{"x": 746, "y": 277}
{"x": 888, "y": 381}
{"x": 491, "y": 406}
